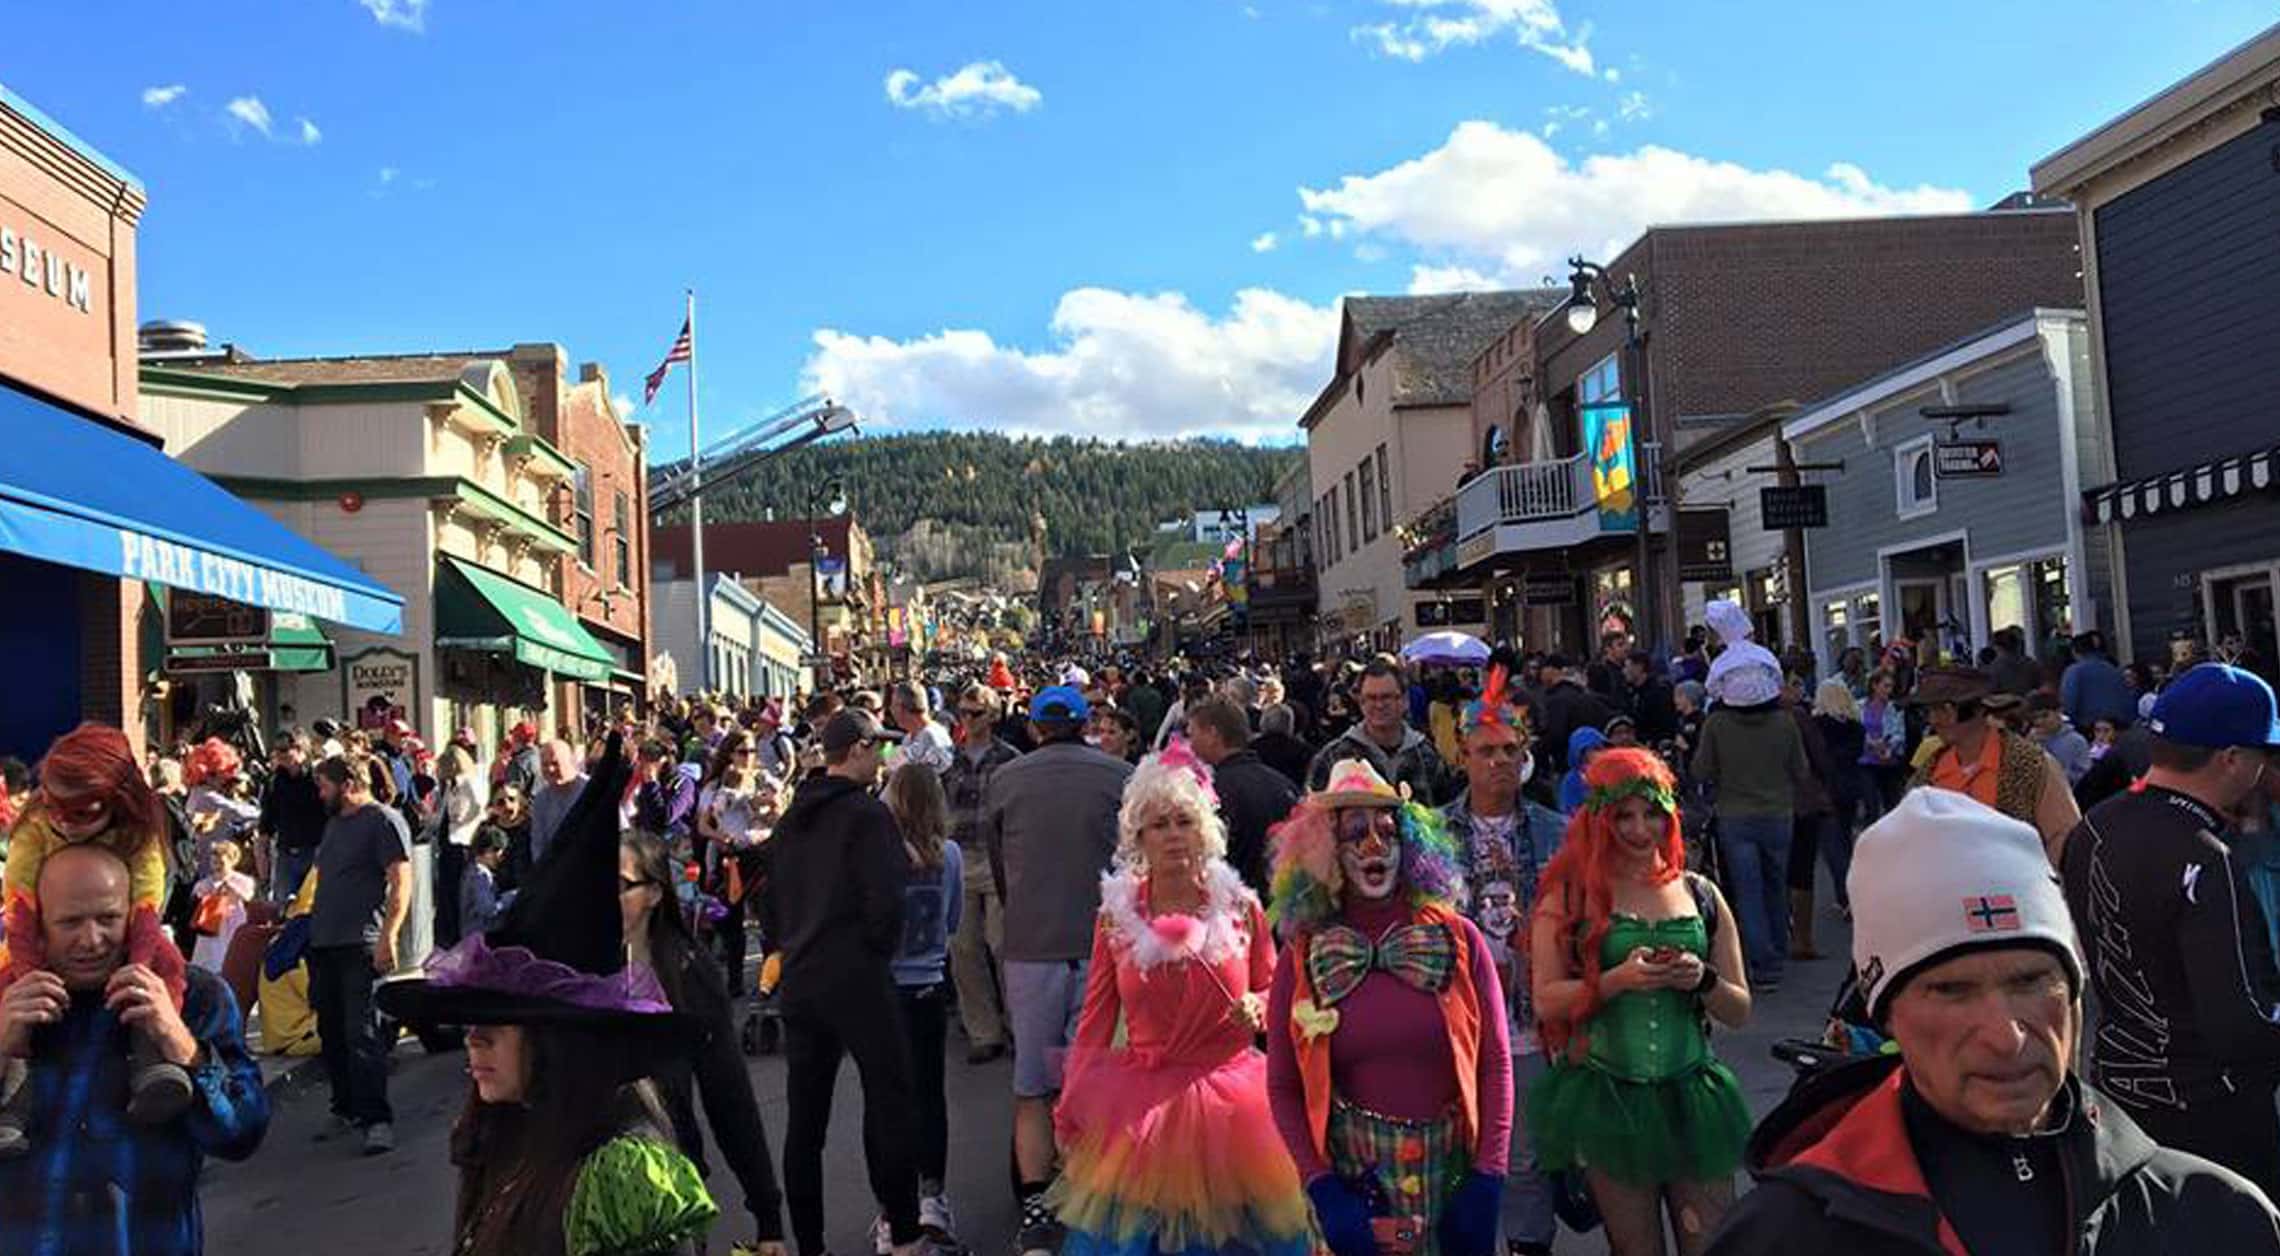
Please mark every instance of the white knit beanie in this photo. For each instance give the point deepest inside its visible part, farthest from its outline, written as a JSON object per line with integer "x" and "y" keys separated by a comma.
{"x": 1942, "y": 873}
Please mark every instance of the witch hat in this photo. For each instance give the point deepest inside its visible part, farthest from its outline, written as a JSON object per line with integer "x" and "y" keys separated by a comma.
{"x": 558, "y": 955}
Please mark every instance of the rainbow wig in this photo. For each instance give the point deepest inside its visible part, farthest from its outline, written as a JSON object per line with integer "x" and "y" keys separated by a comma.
{"x": 1302, "y": 853}
{"x": 1577, "y": 885}
{"x": 1172, "y": 777}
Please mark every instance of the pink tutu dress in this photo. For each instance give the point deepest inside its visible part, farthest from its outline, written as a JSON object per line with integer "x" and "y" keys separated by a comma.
{"x": 1170, "y": 1144}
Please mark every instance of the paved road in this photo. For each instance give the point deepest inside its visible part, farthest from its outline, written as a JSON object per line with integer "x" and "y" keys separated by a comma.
{"x": 297, "y": 1197}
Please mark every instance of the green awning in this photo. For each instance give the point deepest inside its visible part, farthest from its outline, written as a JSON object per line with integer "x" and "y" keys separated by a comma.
{"x": 295, "y": 645}
{"x": 479, "y": 609}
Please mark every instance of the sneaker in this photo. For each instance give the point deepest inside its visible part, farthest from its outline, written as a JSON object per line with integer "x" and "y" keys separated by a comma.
{"x": 882, "y": 1238}
{"x": 379, "y": 1138}
{"x": 935, "y": 1218}
{"x": 1038, "y": 1240}
{"x": 335, "y": 1125}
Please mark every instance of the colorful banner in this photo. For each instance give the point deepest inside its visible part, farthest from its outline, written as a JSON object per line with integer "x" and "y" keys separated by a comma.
{"x": 1614, "y": 465}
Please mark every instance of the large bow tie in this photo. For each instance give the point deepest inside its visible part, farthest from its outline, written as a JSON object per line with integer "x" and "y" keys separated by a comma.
{"x": 1340, "y": 957}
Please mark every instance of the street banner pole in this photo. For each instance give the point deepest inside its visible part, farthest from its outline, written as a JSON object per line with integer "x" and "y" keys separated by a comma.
{"x": 697, "y": 510}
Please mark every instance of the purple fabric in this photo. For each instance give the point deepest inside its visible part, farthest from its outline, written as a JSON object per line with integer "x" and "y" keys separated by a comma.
{"x": 1390, "y": 1053}
{"x": 475, "y": 965}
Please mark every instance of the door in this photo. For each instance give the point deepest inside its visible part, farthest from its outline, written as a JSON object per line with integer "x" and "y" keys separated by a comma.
{"x": 2240, "y": 620}
{"x": 1922, "y": 607}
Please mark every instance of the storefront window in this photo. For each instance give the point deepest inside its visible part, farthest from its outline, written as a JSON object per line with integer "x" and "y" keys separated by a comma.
{"x": 2006, "y": 591}
{"x": 1836, "y": 627}
{"x": 1868, "y": 623}
{"x": 2054, "y": 611}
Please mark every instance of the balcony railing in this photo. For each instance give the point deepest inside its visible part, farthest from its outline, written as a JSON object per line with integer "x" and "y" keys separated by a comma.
{"x": 1535, "y": 492}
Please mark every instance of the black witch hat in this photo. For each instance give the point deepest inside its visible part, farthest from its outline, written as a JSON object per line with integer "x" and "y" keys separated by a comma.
{"x": 558, "y": 955}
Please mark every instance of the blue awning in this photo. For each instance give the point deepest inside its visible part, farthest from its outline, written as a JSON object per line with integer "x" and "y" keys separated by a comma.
{"x": 78, "y": 493}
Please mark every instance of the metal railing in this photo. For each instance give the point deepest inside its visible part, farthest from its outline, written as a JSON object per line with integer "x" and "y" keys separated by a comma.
{"x": 1528, "y": 492}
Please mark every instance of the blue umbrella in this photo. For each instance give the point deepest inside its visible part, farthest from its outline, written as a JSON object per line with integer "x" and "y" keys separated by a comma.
{"x": 1460, "y": 648}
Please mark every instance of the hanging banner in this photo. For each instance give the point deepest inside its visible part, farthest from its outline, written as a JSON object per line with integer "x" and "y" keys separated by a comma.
{"x": 1614, "y": 466}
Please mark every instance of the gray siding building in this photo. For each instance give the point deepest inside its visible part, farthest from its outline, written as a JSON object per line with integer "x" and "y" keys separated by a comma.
{"x": 1917, "y": 551}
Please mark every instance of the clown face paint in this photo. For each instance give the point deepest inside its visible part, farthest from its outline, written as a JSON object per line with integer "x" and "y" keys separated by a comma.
{"x": 1369, "y": 851}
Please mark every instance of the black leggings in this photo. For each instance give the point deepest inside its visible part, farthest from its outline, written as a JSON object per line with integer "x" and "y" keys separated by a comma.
{"x": 925, "y": 1014}
{"x": 861, "y": 1021}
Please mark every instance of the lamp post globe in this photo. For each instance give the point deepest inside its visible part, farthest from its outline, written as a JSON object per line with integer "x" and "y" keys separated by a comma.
{"x": 1582, "y": 316}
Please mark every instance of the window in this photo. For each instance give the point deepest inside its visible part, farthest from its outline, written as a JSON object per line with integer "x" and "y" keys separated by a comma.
{"x": 1353, "y": 516}
{"x": 1868, "y": 625}
{"x": 624, "y": 543}
{"x": 1369, "y": 506}
{"x": 1385, "y": 488}
{"x": 584, "y": 507}
{"x": 1836, "y": 619}
{"x": 1915, "y": 490}
{"x": 1602, "y": 383}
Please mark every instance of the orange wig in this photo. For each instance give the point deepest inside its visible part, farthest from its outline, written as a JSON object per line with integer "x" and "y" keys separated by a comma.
{"x": 1578, "y": 884}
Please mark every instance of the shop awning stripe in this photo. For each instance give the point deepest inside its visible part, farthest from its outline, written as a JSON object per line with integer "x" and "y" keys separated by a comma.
{"x": 2194, "y": 486}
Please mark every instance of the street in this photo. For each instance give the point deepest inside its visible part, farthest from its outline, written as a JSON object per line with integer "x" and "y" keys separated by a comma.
{"x": 295, "y": 1197}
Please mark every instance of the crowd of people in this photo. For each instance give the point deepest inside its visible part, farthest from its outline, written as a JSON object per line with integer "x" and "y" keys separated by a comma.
{"x": 1375, "y": 957}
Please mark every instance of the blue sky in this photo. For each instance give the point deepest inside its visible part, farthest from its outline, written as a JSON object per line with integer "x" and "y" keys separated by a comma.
{"x": 1115, "y": 219}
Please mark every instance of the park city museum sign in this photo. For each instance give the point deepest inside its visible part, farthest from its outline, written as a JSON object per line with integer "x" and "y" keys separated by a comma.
{"x": 67, "y": 267}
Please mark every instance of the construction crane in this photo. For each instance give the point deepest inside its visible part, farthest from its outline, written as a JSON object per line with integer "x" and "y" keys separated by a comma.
{"x": 805, "y": 421}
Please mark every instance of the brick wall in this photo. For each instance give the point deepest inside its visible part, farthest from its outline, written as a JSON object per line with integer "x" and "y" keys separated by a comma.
{"x": 111, "y": 665}
{"x": 1739, "y": 317}
{"x": 1504, "y": 391}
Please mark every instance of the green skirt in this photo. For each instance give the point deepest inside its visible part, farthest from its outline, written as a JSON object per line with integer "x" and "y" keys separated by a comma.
{"x": 1689, "y": 1128}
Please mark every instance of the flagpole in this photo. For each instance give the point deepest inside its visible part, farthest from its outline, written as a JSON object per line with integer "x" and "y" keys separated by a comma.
{"x": 697, "y": 510}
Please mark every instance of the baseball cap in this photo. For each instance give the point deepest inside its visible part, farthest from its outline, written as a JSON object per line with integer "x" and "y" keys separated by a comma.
{"x": 1060, "y": 704}
{"x": 853, "y": 725}
{"x": 2216, "y": 706}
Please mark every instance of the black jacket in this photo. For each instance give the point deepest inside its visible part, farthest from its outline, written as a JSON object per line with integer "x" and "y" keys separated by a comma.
{"x": 1654, "y": 709}
{"x": 1285, "y": 754}
{"x": 1566, "y": 707}
{"x": 832, "y": 900}
{"x": 1252, "y": 796}
{"x": 2188, "y": 997}
{"x": 715, "y": 1074}
{"x": 1836, "y": 1173}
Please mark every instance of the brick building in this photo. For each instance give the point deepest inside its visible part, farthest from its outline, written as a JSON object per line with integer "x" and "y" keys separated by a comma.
{"x": 1734, "y": 318}
{"x": 772, "y": 559}
{"x": 98, "y": 527}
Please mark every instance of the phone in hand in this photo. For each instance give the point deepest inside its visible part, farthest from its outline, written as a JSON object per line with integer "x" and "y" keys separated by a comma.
{"x": 1663, "y": 955}
{"x": 1397, "y": 1236}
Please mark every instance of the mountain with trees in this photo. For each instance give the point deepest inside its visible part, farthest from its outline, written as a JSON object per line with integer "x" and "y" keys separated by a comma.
{"x": 946, "y": 504}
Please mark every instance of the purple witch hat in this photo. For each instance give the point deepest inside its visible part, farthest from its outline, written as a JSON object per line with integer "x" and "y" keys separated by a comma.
{"x": 558, "y": 955}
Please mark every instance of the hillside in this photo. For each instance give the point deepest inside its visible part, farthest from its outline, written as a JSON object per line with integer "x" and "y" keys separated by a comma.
{"x": 962, "y": 503}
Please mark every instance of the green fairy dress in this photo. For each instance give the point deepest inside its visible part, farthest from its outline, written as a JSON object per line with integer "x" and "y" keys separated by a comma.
{"x": 636, "y": 1196}
{"x": 1649, "y": 1102}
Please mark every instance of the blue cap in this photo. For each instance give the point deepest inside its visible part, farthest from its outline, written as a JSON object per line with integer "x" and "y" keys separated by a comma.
{"x": 1060, "y": 704}
{"x": 2217, "y": 706}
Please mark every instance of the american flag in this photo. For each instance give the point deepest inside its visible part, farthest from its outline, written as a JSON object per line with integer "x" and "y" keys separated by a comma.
{"x": 678, "y": 353}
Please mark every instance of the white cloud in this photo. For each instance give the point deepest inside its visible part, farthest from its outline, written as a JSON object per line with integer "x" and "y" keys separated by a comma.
{"x": 623, "y": 402}
{"x": 1427, "y": 280}
{"x": 1265, "y": 242}
{"x": 1122, "y": 365}
{"x": 408, "y": 15}
{"x": 389, "y": 174}
{"x": 161, "y": 97}
{"x": 249, "y": 111}
{"x": 975, "y": 90}
{"x": 309, "y": 132}
{"x": 1435, "y": 26}
{"x": 1557, "y": 118}
{"x": 1506, "y": 204}
{"x": 1633, "y": 107}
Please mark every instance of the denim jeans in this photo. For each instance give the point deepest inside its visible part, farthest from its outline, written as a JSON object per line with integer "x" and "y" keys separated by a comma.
{"x": 291, "y": 866}
{"x": 1527, "y": 1210}
{"x": 1756, "y": 850}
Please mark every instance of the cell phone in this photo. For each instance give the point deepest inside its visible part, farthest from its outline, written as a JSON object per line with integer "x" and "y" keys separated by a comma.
{"x": 1397, "y": 1236}
{"x": 1663, "y": 954}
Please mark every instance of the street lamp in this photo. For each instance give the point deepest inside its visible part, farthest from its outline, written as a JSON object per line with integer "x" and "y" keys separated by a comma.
{"x": 829, "y": 497}
{"x": 1582, "y": 315}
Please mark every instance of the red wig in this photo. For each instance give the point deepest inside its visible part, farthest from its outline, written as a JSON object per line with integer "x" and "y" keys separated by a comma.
{"x": 94, "y": 760}
{"x": 1577, "y": 888}
{"x": 211, "y": 761}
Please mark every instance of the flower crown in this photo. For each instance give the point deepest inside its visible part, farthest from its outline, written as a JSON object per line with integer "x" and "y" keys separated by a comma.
{"x": 1605, "y": 797}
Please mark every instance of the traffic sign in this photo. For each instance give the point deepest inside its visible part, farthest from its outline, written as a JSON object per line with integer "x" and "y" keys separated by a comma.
{"x": 1967, "y": 459}
{"x": 1794, "y": 506}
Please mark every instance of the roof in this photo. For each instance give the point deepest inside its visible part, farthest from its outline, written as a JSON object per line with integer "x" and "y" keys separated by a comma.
{"x": 1913, "y": 374}
{"x": 60, "y": 134}
{"x": 1437, "y": 337}
{"x": 2228, "y": 81}
{"x": 361, "y": 369}
{"x": 748, "y": 549}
